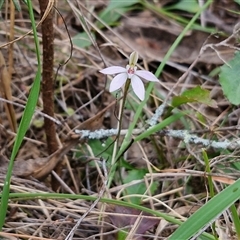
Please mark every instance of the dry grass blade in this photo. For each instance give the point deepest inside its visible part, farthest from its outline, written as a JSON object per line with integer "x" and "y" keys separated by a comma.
{"x": 162, "y": 172}
{"x": 6, "y": 92}
{"x": 93, "y": 205}
{"x": 13, "y": 236}
{"x": 48, "y": 9}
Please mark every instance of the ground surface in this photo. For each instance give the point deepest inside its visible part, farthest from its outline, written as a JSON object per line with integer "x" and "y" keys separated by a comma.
{"x": 175, "y": 170}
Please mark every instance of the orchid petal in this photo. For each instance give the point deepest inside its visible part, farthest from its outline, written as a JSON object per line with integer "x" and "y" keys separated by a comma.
{"x": 146, "y": 75}
{"x": 138, "y": 87}
{"x": 117, "y": 82}
{"x": 113, "y": 70}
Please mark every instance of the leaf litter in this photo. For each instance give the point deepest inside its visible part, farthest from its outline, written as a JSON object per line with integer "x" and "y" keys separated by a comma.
{"x": 76, "y": 86}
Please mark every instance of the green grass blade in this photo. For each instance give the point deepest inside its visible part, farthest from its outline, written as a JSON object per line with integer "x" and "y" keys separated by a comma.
{"x": 159, "y": 126}
{"x": 17, "y": 5}
{"x": 208, "y": 170}
{"x": 24, "y": 124}
{"x": 236, "y": 221}
{"x": 23, "y": 127}
{"x": 210, "y": 184}
{"x": 15, "y": 2}
{"x": 1, "y": 3}
{"x": 208, "y": 213}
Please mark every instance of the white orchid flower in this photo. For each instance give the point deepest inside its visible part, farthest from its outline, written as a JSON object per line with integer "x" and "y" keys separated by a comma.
{"x": 130, "y": 72}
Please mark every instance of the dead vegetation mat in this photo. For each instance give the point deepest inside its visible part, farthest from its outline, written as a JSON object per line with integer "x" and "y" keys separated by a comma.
{"x": 82, "y": 101}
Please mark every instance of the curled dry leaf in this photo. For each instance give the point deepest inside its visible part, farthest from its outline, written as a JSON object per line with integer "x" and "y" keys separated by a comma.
{"x": 41, "y": 167}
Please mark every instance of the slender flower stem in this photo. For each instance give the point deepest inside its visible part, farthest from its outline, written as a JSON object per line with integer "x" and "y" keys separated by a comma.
{"x": 116, "y": 144}
{"x": 126, "y": 87}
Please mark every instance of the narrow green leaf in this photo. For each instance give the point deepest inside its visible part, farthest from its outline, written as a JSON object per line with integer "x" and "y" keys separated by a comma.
{"x": 1, "y": 3}
{"x": 113, "y": 4}
{"x": 111, "y": 17}
{"x": 230, "y": 80}
{"x": 115, "y": 10}
{"x": 15, "y": 2}
{"x": 159, "y": 126}
{"x": 23, "y": 127}
{"x": 185, "y": 5}
{"x": 24, "y": 124}
{"x": 17, "y": 5}
{"x": 208, "y": 213}
{"x": 82, "y": 40}
{"x": 208, "y": 170}
{"x": 236, "y": 221}
{"x": 237, "y": 1}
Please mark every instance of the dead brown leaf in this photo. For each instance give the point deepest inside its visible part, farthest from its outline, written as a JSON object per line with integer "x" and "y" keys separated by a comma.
{"x": 129, "y": 217}
{"x": 41, "y": 167}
